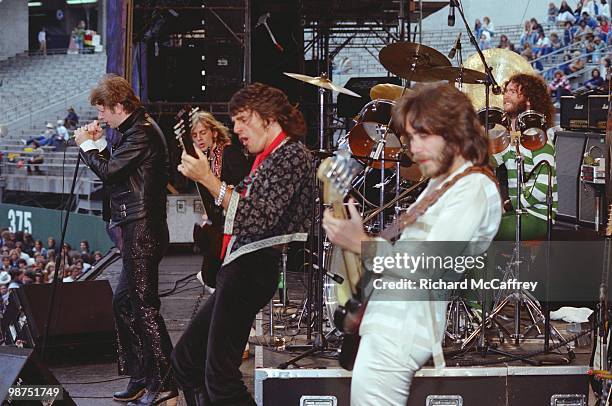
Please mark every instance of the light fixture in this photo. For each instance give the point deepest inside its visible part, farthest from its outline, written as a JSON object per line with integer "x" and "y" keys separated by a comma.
{"x": 34, "y": 3}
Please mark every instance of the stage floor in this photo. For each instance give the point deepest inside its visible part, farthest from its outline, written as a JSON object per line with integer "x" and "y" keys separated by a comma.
{"x": 93, "y": 384}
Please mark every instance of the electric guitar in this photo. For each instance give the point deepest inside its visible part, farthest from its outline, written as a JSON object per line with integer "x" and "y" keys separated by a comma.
{"x": 336, "y": 173}
{"x": 210, "y": 235}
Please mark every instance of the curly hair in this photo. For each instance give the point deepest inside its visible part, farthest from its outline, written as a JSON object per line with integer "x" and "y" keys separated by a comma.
{"x": 220, "y": 132}
{"x": 443, "y": 110}
{"x": 270, "y": 104}
{"x": 535, "y": 90}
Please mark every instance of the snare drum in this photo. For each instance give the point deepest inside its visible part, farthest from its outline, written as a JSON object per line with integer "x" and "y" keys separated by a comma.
{"x": 371, "y": 126}
{"x": 532, "y": 126}
{"x": 499, "y": 136}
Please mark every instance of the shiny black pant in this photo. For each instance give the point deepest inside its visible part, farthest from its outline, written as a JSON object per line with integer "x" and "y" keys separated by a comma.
{"x": 144, "y": 345}
{"x": 209, "y": 354}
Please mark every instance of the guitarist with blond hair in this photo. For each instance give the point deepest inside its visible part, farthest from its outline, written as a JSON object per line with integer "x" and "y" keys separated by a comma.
{"x": 460, "y": 204}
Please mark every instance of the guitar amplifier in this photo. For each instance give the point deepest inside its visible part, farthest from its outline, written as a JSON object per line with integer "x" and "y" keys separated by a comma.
{"x": 598, "y": 112}
{"x": 574, "y": 112}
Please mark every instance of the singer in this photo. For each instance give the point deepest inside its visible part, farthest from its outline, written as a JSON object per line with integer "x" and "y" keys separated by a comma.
{"x": 135, "y": 173}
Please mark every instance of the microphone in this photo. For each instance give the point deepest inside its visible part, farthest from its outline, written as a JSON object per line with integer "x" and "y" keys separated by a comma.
{"x": 496, "y": 90}
{"x": 451, "y": 14}
{"x": 456, "y": 46}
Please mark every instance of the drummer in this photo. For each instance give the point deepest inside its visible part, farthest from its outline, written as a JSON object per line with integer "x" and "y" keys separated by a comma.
{"x": 524, "y": 92}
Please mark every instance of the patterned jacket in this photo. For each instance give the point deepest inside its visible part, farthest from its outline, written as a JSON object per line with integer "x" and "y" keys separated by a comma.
{"x": 273, "y": 206}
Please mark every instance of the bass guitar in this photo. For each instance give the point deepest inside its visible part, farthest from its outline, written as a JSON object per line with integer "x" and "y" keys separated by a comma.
{"x": 336, "y": 174}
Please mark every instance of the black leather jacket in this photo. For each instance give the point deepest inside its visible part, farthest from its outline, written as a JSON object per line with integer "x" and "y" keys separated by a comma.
{"x": 135, "y": 174}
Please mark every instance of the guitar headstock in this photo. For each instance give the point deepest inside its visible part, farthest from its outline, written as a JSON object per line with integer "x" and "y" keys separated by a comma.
{"x": 182, "y": 129}
{"x": 609, "y": 227}
{"x": 337, "y": 173}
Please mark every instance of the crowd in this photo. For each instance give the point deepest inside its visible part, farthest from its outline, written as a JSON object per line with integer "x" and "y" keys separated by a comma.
{"x": 583, "y": 35}
{"x": 27, "y": 261}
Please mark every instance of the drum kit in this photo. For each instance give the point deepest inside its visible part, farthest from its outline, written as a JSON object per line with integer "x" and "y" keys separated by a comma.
{"x": 374, "y": 142}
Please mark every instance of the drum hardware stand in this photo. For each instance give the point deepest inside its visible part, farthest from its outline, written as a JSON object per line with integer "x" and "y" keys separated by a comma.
{"x": 459, "y": 320}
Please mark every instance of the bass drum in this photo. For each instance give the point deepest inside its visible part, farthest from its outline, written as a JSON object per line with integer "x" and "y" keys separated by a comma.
{"x": 335, "y": 294}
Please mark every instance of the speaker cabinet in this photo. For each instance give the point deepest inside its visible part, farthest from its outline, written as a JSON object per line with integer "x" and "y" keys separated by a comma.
{"x": 81, "y": 328}
{"x": 569, "y": 147}
{"x": 22, "y": 366}
{"x": 577, "y": 200}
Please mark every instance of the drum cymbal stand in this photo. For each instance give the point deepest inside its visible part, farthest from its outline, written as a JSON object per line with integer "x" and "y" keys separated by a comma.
{"x": 316, "y": 279}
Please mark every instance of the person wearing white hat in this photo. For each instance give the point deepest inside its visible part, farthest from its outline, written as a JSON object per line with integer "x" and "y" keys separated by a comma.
{"x": 5, "y": 278}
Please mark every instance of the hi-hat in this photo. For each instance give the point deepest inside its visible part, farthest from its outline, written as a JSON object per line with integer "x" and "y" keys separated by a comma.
{"x": 321, "y": 81}
{"x": 387, "y": 91}
{"x": 412, "y": 61}
{"x": 455, "y": 74}
{"x": 505, "y": 63}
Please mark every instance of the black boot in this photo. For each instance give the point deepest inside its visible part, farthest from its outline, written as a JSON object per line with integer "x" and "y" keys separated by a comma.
{"x": 196, "y": 397}
{"x": 154, "y": 396}
{"x": 134, "y": 390}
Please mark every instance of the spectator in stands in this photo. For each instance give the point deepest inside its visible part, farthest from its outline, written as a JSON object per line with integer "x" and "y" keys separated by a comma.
{"x": 535, "y": 26}
{"x": 85, "y": 252}
{"x": 47, "y": 138}
{"x": 582, "y": 30}
{"x": 605, "y": 9}
{"x": 555, "y": 42}
{"x": 543, "y": 45}
{"x": 604, "y": 27}
{"x": 477, "y": 28}
{"x": 16, "y": 278}
{"x": 590, "y": 21}
{"x": 36, "y": 159}
{"x": 568, "y": 34}
{"x": 553, "y": 12}
{"x": 504, "y": 43}
{"x": 527, "y": 52}
{"x": 578, "y": 64}
{"x": 50, "y": 243}
{"x": 62, "y": 132}
{"x": 27, "y": 278}
{"x": 39, "y": 249}
{"x": 565, "y": 14}
{"x": 578, "y": 10}
{"x": 596, "y": 80}
{"x": 6, "y": 263}
{"x": 487, "y": 25}
{"x": 589, "y": 46}
{"x": 604, "y": 67}
{"x": 42, "y": 41}
{"x": 528, "y": 36}
{"x": 39, "y": 278}
{"x": 590, "y": 6}
{"x": 560, "y": 86}
{"x": 485, "y": 40}
{"x": 71, "y": 120}
{"x": 97, "y": 256}
{"x": 79, "y": 33}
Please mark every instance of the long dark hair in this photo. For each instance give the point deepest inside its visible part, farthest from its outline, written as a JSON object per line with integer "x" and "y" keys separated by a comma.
{"x": 535, "y": 90}
{"x": 443, "y": 110}
{"x": 271, "y": 104}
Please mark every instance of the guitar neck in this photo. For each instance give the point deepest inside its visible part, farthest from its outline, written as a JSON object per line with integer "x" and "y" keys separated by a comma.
{"x": 352, "y": 261}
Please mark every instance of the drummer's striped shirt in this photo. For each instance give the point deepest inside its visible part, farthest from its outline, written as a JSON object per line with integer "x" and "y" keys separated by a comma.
{"x": 533, "y": 198}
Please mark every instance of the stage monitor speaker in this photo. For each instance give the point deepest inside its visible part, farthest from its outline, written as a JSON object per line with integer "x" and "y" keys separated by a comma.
{"x": 22, "y": 366}
{"x": 569, "y": 148}
{"x": 82, "y": 322}
{"x": 587, "y": 202}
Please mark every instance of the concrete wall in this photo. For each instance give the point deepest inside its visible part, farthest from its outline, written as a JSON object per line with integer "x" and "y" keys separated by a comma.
{"x": 13, "y": 27}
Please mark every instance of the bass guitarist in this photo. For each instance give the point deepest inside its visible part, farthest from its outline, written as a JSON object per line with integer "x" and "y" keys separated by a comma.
{"x": 461, "y": 203}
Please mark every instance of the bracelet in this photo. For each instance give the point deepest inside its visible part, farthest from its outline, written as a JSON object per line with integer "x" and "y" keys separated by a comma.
{"x": 219, "y": 199}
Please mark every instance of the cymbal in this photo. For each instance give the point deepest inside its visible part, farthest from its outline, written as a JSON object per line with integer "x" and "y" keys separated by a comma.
{"x": 321, "y": 81}
{"x": 412, "y": 61}
{"x": 387, "y": 91}
{"x": 454, "y": 74}
{"x": 505, "y": 63}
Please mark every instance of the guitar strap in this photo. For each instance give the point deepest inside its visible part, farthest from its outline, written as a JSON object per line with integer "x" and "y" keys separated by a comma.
{"x": 394, "y": 230}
